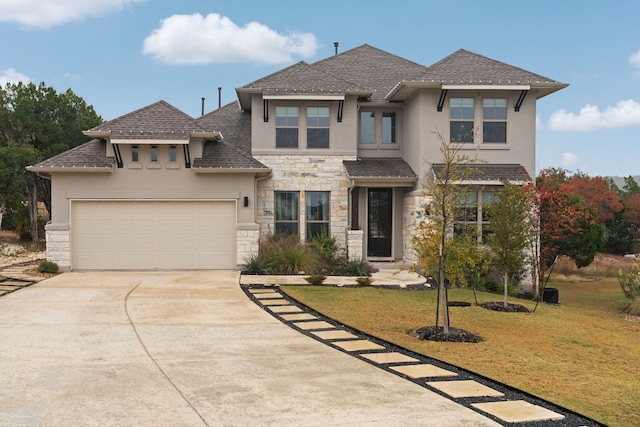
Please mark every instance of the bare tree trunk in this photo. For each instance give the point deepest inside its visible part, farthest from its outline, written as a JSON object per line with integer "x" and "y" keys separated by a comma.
{"x": 443, "y": 294}
{"x": 505, "y": 280}
{"x": 2, "y": 207}
{"x": 33, "y": 212}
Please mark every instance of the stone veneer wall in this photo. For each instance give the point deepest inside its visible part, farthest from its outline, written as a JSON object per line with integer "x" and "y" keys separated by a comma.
{"x": 411, "y": 205}
{"x": 248, "y": 242}
{"x": 355, "y": 244}
{"x": 305, "y": 173}
{"x": 58, "y": 245}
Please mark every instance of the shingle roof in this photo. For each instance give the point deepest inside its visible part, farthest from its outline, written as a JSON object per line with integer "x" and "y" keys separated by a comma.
{"x": 372, "y": 68}
{"x": 488, "y": 172}
{"x": 92, "y": 154}
{"x": 156, "y": 121}
{"x": 302, "y": 78}
{"x": 465, "y": 67}
{"x": 235, "y": 149}
{"x": 379, "y": 168}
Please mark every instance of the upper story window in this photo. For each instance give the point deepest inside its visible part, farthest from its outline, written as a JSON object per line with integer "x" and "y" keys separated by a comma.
{"x": 154, "y": 153}
{"x": 317, "y": 127}
{"x": 461, "y": 119}
{"x": 378, "y": 128}
{"x": 494, "y": 120}
{"x": 388, "y": 128}
{"x": 173, "y": 153}
{"x": 286, "y": 127}
{"x": 134, "y": 153}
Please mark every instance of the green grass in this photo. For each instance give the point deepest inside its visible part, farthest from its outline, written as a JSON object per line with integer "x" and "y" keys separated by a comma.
{"x": 581, "y": 354}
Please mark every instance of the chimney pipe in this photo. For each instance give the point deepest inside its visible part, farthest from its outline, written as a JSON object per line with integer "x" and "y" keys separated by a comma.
{"x": 335, "y": 44}
{"x": 219, "y": 97}
{"x": 202, "y": 106}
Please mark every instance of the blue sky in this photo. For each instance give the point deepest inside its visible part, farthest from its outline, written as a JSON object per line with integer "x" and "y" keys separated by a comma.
{"x": 120, "y": 55}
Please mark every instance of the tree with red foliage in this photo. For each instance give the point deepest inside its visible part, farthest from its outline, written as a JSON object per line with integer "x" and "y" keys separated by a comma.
{"x": 567, "y": 224}
{"x": 598, "y": 194}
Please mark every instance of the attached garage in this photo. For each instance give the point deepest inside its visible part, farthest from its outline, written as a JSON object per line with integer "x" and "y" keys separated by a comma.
{"x": 148, "y": 235}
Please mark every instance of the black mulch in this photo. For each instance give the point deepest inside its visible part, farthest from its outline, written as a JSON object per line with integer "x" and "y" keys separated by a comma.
{"x": 454, "y": 335}
{"x": 510, "y": 308}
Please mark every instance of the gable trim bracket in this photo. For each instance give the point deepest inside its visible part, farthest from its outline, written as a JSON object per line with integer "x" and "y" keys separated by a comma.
{"x": 265, "y": 107}
{"x": 520, "y": 100}
{"x": 187, "y": 156}
{"x": 443, "y": 96}
{"x": 116, "y": 152}
{"x": 340, "y": 110}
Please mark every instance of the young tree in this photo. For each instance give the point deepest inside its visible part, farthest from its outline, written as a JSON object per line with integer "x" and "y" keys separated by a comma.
{"x": 511, "y": 233}
{"x": 439, "y": 249}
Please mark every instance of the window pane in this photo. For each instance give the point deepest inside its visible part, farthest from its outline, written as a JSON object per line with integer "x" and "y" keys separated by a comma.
{"x": 461, "y": 108}
{"x": 172, "y": 153}
{"x": 317, "y": 138}
{"x": 286, "y": 116}
{"x": 286, "y": 228}
{"x": 286, "y": 137}
{"x": 494, "y": 132}
{"x": 318, "y": 116}
{"x": 134, "y": 153}
{"x": 367, "y": 127}
{"x": 317, "y": 206}
{"x": 388, "y": 128}
{"x": 154, "y": 153}
{"x": 461, "y": 131}
{"x": 494, "y": 108}
{"x": 286, "y": 206}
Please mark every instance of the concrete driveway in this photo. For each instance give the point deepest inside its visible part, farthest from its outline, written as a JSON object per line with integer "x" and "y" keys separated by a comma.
{"x": 186, "y": 349}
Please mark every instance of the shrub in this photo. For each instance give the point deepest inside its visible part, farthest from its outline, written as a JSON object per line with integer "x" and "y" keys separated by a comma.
{"x": 324, "y": 245}
{"x": 287, "y": 255}
{"x": 630, "y": 282}
{"x": 315, "y": 279}
{"x": 258, "y": 264}
{"x": 48, "y": 267}
{"x": 364, "y": 281}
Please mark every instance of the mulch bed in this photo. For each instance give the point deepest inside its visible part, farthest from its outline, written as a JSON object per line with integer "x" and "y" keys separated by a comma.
{"x": 454, "y": 335}
{"x": 510, "y": 308}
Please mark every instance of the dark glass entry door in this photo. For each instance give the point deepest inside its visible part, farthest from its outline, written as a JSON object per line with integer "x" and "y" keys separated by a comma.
{"x": 379, "y": 222}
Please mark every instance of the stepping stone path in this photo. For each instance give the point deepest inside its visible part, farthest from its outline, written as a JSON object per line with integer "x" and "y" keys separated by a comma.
{"x": 464, "y": 387}
{"x": 11, "y": 285}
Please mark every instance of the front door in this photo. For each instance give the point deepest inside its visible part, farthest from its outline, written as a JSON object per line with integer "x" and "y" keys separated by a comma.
{"x": 379, "y": 222}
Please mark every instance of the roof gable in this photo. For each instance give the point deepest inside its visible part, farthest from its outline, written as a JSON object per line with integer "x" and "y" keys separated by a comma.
{"x": 372, "y": 68}
{"x": 465, "y": 67}
{"x": 160, "y": 120}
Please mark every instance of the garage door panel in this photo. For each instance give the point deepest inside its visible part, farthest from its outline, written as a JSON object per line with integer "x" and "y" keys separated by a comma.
{"x": 153, "y": 235}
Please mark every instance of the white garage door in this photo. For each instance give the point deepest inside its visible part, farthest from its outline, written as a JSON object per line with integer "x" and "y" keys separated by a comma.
{"x": 147, "y": 235}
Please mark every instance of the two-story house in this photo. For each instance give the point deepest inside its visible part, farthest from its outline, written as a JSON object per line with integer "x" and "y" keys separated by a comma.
{"x": 340, "y": 146}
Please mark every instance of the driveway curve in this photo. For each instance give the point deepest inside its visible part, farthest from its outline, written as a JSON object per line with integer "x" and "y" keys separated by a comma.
{"x": 186, "y": 349}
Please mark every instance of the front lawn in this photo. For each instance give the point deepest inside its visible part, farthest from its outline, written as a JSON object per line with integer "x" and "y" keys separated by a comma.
{"x": 581, "y": 354}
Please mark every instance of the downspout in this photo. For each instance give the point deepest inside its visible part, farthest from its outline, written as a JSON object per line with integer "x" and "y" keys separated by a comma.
{"x": 350, "y": 187}
{"x": 255, "y": 193}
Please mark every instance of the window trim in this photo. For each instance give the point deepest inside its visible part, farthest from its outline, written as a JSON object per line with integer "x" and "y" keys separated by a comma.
{"x": 464, "y": 121}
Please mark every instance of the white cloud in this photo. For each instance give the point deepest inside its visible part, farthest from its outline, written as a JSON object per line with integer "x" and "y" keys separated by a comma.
{"x": 10, "y": 75}
{"x": 572, "y": 162}
{"x": 625, "y": 113}
{"x": 539, "y": 124}
{"x": 46, "y": 14}
{"x": 634, "y": 59}
{"x": 197, "y": 39}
